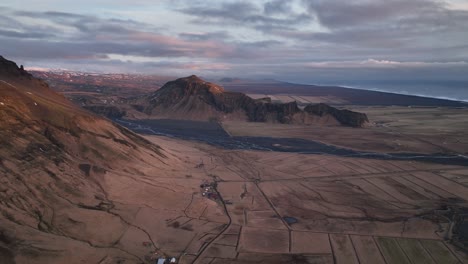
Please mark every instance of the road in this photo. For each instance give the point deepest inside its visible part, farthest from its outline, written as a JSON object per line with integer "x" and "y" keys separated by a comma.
{"x": 226, "y": 227}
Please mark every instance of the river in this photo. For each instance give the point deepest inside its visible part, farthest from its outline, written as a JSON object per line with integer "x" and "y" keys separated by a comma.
{"x": 212, "y": 133}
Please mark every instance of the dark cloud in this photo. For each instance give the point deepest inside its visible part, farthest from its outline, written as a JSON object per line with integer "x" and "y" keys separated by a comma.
{"x": 392, "y": 24}
{"x": 391, "y": 28}
{"x": 262, "y": 44}
{"x": 16, "y": 34}
{"x": 398, "y": 18}
{"x": 13, "y": 27}
{"x": 277, "y": 7}
{"x": 85, "y": 36}
{"x": 419, "y": 29}
{"x": 88, "y": 25}
{"x": 247, "y": 14}
{"x": 49, "y": 14}
{"x": 379, "y": 25}
{"x": 338, "y": 13}
{"x": 218, "y": 35}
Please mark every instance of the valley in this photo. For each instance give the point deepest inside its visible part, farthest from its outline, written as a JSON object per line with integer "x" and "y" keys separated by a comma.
{"x": 344, "y": 208}
{"x": 215, "y": 134}
{"x": 234, "y": 132}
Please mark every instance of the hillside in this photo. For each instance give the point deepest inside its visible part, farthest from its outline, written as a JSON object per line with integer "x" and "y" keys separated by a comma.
{"x": 54, "y": 162}
{"x": 195, "y": 99}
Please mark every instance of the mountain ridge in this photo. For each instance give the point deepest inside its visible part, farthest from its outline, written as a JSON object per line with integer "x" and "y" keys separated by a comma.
{"x": 54, "y": 158}
{"x": 193, "y": 98}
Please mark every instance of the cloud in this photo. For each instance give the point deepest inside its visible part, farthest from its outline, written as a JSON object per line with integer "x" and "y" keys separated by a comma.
{"x": 397, "y": 29}
{"x": 218, "y": 35}
{"x": 338, "y": 14}
{"x": 395, "y": 18}
{"x": 277, "y": 7}
{"x": 11, "y": 26}
{"x": 268, "y": 38}
{"x": 76, "y": 37}
{"x": 85, "y": 36}
{"x": 29, "y": 34}
{"x": 240, "y": 13}
{"x": 377, "y": 28}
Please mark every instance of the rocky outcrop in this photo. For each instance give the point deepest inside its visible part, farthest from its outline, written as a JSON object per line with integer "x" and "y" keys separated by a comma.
{"x": 345, "y": 117}
{"x": 194, "y": 98}
{"x": 268, "y": 112}
{"x": 11, "y": 69}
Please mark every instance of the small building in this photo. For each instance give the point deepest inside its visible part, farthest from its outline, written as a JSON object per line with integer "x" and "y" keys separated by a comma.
{"x": 161, "y": 261}
{"x": 173, "y": 260}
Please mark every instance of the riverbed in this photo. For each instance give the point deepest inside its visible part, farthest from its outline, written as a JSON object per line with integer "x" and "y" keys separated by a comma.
{"x": 212, "y": 133}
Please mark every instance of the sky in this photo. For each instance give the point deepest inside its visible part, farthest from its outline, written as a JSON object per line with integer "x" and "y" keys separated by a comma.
{"x": 306, "y": 41}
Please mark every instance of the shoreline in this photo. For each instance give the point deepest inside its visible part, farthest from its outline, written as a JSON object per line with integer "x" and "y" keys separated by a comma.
{"x": 354, "y": 95}
{"x": 406, "y": 94}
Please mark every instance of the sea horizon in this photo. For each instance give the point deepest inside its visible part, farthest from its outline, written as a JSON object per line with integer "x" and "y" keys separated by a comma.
{"x": 446, "y": 90}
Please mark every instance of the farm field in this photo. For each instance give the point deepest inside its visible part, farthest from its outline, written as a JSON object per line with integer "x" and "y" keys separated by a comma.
{"x": 283, "y": 207}
{"x": 391, "y": 129}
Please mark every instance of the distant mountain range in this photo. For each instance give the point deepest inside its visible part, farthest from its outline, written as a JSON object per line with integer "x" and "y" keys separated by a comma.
{"x": 102, "y": 85}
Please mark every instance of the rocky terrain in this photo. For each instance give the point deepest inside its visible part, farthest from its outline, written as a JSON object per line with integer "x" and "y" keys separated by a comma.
{"x": 194, "y": 98}
{"x": 344, "y": 117}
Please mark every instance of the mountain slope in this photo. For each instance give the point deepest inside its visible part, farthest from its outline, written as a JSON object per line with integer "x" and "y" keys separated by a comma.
{"x": 54, "y": 160}
{"x": 189, "y": 97}
{"x": 193, "y": 98}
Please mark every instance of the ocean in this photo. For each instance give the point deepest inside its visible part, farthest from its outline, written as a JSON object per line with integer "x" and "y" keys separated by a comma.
{"x": 451, "y": 90}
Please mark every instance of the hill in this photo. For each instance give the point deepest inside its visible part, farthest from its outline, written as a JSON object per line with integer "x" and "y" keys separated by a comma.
{"x": 54, "y": 160}
{"x": 195, "y": 99}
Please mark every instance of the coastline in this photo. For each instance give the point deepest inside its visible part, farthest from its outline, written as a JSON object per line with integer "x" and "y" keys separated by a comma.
{"x": 401, "y": 93}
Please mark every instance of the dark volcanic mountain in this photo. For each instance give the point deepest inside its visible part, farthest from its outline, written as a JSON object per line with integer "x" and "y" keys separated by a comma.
{"x": 53, "y": 160}
{"x": 345, "y": 117}
{"x": 196, "y": 99}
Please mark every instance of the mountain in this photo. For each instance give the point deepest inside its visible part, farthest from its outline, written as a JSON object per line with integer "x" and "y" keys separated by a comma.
{"x": 55, "y": 159}
{"x": 189, "y": 97}
{"x": 344, "y": 117}
{"x": 194, "y": 98}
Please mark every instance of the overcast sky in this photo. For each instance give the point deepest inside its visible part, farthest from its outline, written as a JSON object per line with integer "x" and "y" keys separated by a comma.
{"x": 303, "y": 40}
